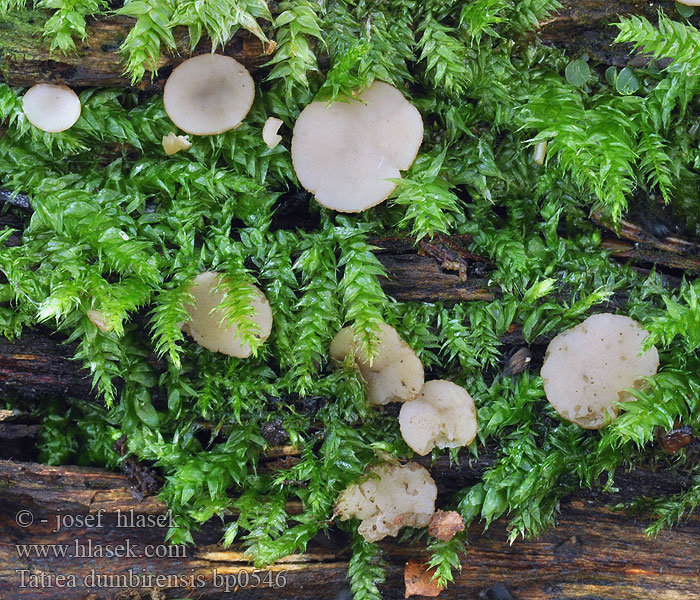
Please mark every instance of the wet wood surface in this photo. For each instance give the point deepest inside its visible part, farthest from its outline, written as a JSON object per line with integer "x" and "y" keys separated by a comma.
{"x": 580, "y": 27}
{"x": 593, "y": 552}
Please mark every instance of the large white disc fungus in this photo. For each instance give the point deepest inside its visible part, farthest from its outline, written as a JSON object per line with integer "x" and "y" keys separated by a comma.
{"x": 51, "y": 108}
{"x": 396, "y": 373}
{"x": 393, "y": 497}
{"x": 345, "y": 153}
{"x": 206, "y": 326}
{"x": 689, "y": 2}
{"x": 588, "y": 367}
{"x": 442, "y": 416}
{"x": 208, "y": 94}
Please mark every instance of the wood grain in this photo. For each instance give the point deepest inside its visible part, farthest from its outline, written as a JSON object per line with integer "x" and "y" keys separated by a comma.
{"x": 580, "y": 27}
{"x": 592, "y": 553}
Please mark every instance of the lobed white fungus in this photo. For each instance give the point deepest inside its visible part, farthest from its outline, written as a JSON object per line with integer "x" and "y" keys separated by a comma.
{"x": 442, "y": 416}
{"x": 208, "y": 94}
{"x": 51, "y": 108}
{"x": 393, "y": 497}
{"x": 396, "y": 373}
{"x": 269, "y": 132}
{"x": 347, "y": 152}
{"x": 206, "y": 326}
{"x": 588, "y": 367}
{"x": 172, "y": 143}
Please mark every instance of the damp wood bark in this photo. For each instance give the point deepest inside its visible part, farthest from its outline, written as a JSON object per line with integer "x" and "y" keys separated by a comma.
{"x": 592, "y": 553}
{"x": 580, "y": 27}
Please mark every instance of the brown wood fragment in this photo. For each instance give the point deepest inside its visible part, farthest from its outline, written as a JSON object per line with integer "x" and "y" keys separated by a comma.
{"x": 419, "y": 582}
{"x": 444, "y": 525}
{"x": 679, "y": 437}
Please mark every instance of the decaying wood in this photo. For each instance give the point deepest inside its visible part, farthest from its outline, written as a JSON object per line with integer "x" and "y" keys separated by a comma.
{"x": 592, "y": 553}
{"x": 582, "y": 26}
{"x": 26, "y": 59}
{"x": 586, "y": 27}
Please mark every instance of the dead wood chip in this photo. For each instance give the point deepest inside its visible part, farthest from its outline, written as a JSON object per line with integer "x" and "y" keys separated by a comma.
{"x": 418, "y": 580}
{"x": 445, "y": 524}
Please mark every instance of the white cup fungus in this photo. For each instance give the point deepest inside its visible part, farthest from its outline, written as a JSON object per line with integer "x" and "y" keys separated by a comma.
{"x": 51, "y": 108}
{"x": 346, "y": 153}
{"x": 442, "y": 416}
{"x": 206, "y": 326}
{"x": 588, "y": 368}
{"x": 396, "y": 373}
{"x": 393, "y": 497}
{"x": 208, "y": 94}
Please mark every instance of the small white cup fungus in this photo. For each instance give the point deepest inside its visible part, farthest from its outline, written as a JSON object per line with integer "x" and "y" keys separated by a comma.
{"x": 393, "y": 497}
{"x": 208, "y": 94}
{"x": 442, "y": 416}
{"x": 51, "y": 108}
{"x": 172, "y": 144}
{"x": 396, "y": 373}
{"x": 205, "y": 324}
{"x": 346, "y": 153}
{"x": 689, "y": 2}
{"x": 269, "y": 132}
{"x": 588, "y": 367}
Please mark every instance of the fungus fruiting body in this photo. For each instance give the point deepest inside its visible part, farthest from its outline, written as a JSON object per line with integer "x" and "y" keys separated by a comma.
{"x": 442, "y": 416}
{"x": 689, "y": 2}
{"x": 51, "y": 108}
{"x": 346, "y": 153}
{"x": 208, "y": 94}
{"x": 393, "y": 497}
{"x": 588, "y": 368}
{"x": 396, "y": 373}
{"x": 172, "y": 144}
{"x": 269, "y": 132}
{"x": 207, "y": 324}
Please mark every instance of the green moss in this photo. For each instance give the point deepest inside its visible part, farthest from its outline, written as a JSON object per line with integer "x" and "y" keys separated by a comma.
{"x": 120, "y": 228}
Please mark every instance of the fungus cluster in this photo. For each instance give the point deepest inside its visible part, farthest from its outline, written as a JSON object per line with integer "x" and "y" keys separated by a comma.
{"x": 347, "y": 153}
{"x": 393, "y": 497}
{"x": 435, "y": 414}
{"x": 207, "y": 324}
{"x": 51, "y": 108}
{"x": 588, "y": 368}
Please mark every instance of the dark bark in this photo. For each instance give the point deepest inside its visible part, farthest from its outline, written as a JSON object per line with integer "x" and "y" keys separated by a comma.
{"x": 581, "y": 27}
{"x": 593, "y": 552}
{"x": 26, "y": 60}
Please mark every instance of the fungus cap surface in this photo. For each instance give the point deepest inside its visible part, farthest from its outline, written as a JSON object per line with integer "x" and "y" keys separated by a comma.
{"x": 588, "y": 367}
{"x": 345, "y": 153}
{"x": 396, "y": 373}
{"x": 442, "y": 416}
{"x": 205, "y": 324}
{"x": 393, "y": 497}
{"x": 51, "y": 108}
{"x": 208, "y": 94}
{"x": 690, "y": 2}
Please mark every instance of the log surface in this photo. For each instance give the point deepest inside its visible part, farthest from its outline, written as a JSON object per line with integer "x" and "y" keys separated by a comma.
{"x": 580, "y": 27}
{"x": 592, "y": 553}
